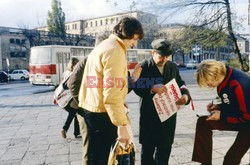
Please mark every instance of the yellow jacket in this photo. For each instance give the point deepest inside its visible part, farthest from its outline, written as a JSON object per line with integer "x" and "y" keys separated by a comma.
{"x": 104, "y": 83}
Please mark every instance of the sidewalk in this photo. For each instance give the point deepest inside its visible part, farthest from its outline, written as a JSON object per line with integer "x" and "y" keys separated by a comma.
{"x": 30, "y": 132}
{"x": 184, "y": 135}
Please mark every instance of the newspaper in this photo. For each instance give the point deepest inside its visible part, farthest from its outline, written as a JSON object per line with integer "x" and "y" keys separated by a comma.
{"x": 204, "y": 112}
{"x": 165, "y": 103}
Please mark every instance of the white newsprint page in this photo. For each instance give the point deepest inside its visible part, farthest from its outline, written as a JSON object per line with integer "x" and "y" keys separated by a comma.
{"x": 165, "y": 103}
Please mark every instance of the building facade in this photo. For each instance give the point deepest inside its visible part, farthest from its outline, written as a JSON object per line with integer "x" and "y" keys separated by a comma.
{"x": 94, "y": 26}
{"x": 13, "y": 47}
{"x": 15, "y": 44}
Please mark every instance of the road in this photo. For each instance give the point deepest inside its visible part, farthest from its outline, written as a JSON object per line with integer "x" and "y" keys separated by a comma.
{"x": 23, "y": 88}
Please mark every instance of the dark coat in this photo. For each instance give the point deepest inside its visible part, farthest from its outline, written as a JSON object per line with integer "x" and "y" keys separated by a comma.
{"x": 75, "y": 80}
{"x": 151, "y": 128}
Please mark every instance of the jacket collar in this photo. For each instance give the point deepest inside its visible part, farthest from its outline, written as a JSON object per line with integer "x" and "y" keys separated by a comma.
{"x": 226, "y": 79}
{"x": 120, "y": 41}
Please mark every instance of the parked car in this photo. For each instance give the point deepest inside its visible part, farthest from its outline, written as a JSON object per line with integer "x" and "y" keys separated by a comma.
{"x": 3, "y": 76}
{"x": 180, "y": 65}
{"x": 192, "y": 64}
{"x": 19, "y": 75}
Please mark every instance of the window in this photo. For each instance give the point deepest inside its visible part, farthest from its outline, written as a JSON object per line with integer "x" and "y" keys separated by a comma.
{"x": 12, "y": 41}
{"x": 101, "y": 22}
{"x": 12, "y": 48}
{"x": 23, "y": 49}
{"x": 86, "y": 24}
{"x": 18, "y": 41}
{"x": 91, "y": 24}
{"x": 95, "y": 23}
{"x": 112, "y": 20}
{"x": 15, "y": 72}
{"x": 12, "y": 54}
{"x": 23, "y": 41}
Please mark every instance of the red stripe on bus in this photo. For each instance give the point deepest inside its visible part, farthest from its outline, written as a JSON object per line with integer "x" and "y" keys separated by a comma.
{"x": 42, "y": 69}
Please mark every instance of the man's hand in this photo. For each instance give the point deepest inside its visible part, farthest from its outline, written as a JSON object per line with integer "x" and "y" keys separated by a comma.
{"x": 212, "y": 107}
{"x": 123, "y": 135}
{"x": 215, "y": 115}
{"x": 136, "y": 73}
{"x": 183, "y": 100}
{"x": 159, "y": 88}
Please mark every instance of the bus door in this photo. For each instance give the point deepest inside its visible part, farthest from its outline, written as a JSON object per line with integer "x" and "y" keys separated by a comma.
{"x": 62, "y": 59}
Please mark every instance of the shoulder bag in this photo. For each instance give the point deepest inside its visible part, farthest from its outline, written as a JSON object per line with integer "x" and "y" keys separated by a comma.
{"x": 62, "y": 96}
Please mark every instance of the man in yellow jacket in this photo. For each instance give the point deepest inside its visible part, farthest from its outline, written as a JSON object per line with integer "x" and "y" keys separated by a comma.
{"x": 104, "y": 89}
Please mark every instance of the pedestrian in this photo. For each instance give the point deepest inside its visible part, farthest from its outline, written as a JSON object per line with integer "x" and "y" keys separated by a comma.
{"x": 104, "y": 88}
{"x": 74, "y": 84}
{"x": 157, "y": 137}
{"x": 233, "y": 114}
{"x": 71, "y": 110}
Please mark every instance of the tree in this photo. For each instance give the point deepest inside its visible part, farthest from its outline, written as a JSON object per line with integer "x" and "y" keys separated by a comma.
{"x": 213, "y": 14}
{"x": 56, "y": 19}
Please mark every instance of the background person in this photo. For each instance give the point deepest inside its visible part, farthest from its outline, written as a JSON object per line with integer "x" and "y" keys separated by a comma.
{"x": 104, "y": 110}
{"x": 72, "y": 111}
{"x": 233, "y": 114}
{"x": 157, "y": 137}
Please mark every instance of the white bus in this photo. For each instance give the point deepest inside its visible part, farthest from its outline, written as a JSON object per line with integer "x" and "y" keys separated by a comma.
{"x": 47, "y": 63}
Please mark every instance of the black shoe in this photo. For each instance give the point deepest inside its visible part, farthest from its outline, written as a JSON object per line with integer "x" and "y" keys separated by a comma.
{"x": 78, "y": 136}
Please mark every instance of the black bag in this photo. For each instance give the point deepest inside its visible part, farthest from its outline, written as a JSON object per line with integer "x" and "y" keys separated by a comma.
{"x": 120, "y": 156}
{"x": 62, "y": 96}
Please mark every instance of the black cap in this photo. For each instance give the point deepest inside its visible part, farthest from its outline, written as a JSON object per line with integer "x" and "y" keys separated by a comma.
{"x": 162, "y": 46}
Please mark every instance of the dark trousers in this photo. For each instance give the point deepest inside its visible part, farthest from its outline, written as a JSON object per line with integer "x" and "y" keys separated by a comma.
{"x": 203, "y": 141}
{"x": 102, "y": 134}
{"x": 157, "y": 150}
{"x": 162, "y": 153}
{"x": 72, "y": 114}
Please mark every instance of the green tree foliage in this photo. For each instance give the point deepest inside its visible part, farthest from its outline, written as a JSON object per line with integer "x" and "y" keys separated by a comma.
{"x": 191, "y": 35}
{"x": 56, "y": 19}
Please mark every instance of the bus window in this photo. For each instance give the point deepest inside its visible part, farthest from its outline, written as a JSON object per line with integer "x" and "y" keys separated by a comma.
{"x": 132, "y": 55}
{"x": 88, "y": 51}
{"x": 40, "y": 56}
{"x": 77, "y": 52}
